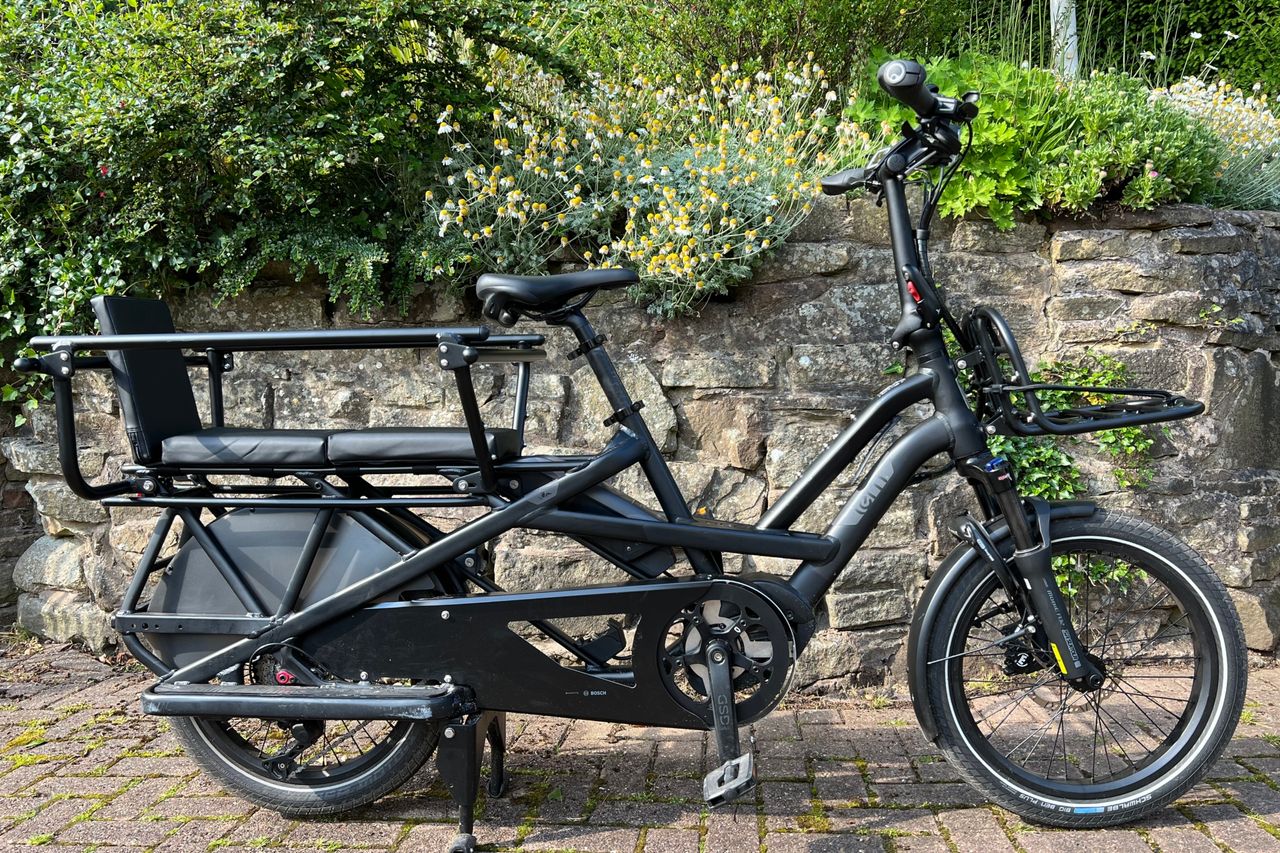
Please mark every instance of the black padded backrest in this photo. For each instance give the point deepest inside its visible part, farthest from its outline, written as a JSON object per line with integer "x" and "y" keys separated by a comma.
{"x": 154, "y": 388}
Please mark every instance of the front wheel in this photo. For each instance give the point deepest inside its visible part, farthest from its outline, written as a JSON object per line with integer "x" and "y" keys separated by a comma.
{"x": 1159, "y": 623}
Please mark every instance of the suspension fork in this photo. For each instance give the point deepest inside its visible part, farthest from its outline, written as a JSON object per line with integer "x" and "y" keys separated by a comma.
{"x": 1032, "y": 567}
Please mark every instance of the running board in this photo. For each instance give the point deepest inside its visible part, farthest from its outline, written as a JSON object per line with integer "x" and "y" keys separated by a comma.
{"x": 295, "y": 702}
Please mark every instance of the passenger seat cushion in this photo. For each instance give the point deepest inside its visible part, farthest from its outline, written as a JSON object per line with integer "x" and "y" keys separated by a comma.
{"x": 242, "y": 447}
{"x": 418, "y": 444}
{"x": 155, "y": 392}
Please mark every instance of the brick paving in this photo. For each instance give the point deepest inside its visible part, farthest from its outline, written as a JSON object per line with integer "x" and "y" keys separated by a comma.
{"x": 82, "y": 770}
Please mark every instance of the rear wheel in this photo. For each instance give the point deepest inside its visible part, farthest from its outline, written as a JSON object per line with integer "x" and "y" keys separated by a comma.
{"x": 305, "y": 768}
{"x": 1158, "y": 622}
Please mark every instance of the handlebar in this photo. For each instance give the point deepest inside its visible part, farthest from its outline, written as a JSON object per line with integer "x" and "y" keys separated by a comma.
{"x": 933, "y": 142}
{"x": 905, "y": 81}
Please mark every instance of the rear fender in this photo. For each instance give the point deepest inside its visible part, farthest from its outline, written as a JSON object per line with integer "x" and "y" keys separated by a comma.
{"x": 960, "y": 560}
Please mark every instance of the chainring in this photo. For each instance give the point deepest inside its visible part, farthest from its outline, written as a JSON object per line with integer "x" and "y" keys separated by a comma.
{"x": 760, "y": 638}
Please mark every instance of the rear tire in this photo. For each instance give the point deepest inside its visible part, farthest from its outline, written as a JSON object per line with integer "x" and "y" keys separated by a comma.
{"x": 1176, "y": 676}
{"x": 221, "y": 749}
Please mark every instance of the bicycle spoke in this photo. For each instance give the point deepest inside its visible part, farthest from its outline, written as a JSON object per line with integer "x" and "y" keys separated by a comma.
{"x": 1128, "y": 619}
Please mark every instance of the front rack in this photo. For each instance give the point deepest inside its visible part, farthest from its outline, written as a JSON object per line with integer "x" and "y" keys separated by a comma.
{"x": 1014, "y": 406}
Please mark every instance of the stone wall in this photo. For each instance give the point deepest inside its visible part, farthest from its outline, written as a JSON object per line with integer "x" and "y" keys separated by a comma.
{"x": 17, "y": 527}
{"x": 743, "y": 396}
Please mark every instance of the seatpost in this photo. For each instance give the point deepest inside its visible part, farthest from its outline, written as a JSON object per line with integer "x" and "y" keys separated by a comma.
{"x": 626, "y": 413}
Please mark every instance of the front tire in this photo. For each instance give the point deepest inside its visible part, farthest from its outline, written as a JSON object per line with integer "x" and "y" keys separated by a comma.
{"x": 1168, "y": 637}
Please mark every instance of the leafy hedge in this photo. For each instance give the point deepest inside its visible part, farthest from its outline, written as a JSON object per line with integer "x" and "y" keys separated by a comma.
{"x": 159, "y": 141}
{"x": 672, "y": 38}
{"x": 1044, "y": 144}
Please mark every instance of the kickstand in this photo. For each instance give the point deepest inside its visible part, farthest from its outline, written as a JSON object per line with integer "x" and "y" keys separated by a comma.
{"x": 458, "y": 760}
{"x": 736, "y": 774}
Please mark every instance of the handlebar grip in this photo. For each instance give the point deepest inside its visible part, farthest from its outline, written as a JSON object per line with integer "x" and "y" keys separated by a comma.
{"x": 841, "y": 182}
{"x": 905, "y": 81}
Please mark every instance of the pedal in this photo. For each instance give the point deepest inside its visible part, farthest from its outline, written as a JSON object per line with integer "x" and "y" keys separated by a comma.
{"x": 736, "y": 775}
{"x": 729, "y": 781}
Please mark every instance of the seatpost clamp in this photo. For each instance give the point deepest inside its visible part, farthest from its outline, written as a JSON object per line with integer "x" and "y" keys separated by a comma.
{"x": 622, "y": 414}
{"x": 586, "y": 347}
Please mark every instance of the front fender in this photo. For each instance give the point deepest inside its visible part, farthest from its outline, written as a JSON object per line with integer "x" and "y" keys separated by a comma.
{"x": 935, "y": 593}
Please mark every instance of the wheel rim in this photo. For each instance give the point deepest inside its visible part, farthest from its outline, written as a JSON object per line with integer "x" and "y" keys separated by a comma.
{"x": 344, "y": 751}
{"x": 1152, "y": 632}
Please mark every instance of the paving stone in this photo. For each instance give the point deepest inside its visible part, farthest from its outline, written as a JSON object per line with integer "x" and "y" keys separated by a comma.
{"x": 430, "y": 837}
{"x": 262, "y": 825}
{"x": 195, "y": 836}
{"x": 151, "y": 766}
{"x": 839, "y": 782}
{"x": 108, "y": 832}
{"x": 648, "y": 782}
{"x": 565, "y": 801}
{"x": 1238, "y": 831}
{"x": 77, "y": 786}
{"x": 920, "y": 844}
{"x": 663, "y": 840}
{"x": 183, "y": 806}
{"x": 1093, "y": 841}
{"x": 641, "y": 813}
{"x": 732, "y": 831}
{"x": 1189, "y": 840}
{"x": 882, "y": 820}
{"x": 583, "y": 839}
{"x": 50, "y": 819}
{"x": 1258, "y": 798}
{"x": 786, "y": 804}
{"x": 797, "y": 842}
{"x": 975, "y": 831}
{"x": 818, "y": 717}
{"x": 350, "y": 833}
{"x": 945, "y": 794}
{"x": 144, "y": 794}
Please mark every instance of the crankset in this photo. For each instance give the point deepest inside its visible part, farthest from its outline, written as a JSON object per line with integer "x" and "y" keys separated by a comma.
{"x": 728, "y": 657}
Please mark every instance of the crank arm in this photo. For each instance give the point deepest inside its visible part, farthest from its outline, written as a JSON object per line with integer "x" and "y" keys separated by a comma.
{"x": 736, "y": 774}
{"x": 1035, "y": 565}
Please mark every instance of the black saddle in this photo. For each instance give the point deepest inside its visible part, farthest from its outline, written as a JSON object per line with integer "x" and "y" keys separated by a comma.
{"x": 506, "y": 297}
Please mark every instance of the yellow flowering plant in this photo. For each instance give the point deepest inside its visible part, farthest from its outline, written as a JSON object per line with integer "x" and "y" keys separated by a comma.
{"x": 1249, "y": 170}
{"x": 690, "y": 182}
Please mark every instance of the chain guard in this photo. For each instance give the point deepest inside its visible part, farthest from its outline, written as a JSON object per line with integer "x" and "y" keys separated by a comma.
{"x": 762, "y": 640}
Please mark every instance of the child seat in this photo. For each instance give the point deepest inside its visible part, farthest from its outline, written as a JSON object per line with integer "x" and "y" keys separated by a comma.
{"x": 164, "y": 429}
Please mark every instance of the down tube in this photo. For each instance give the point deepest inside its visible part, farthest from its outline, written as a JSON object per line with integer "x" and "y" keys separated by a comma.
{"x": 868, "y": 505}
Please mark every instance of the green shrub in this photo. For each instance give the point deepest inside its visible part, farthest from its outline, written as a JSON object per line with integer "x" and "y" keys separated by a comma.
{"x": 155, "y": 142}
{"x": 1044, "y": 144}
{"x": 672, "y": 38}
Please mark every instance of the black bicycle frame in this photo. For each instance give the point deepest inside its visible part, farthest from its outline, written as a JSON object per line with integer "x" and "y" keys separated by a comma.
{"x": 537, "y": 492}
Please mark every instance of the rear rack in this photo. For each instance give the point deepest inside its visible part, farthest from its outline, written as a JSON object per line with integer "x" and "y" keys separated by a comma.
{"x": 1014, "y": 406}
